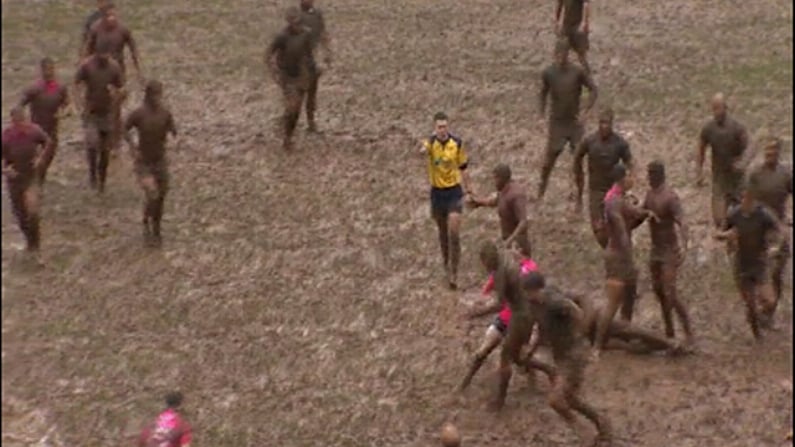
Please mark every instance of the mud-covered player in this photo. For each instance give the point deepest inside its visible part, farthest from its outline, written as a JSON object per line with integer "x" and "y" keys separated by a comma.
{"x": 314, "y": 20}
{"x": 755, "y": 231}
{"x": 728, "y": 141}
{"x": 563, "y": 83}
{"x": 47, "y": 99}
{"x": 603, "y": 149}
{"x": 290, "y": 61}
{"x": 496, "y": 330}
{"x": 507, "y": 289}
{"x": 23, "y": 145}
{"x": 103, "y": 80}
{"x": 562, "y": 325}
{"x": 511, "y": 203}
{"x": 621, "y": 217}
{"x": 153, "y": 121}
{"x": 108, "y": 31}
{"x": 572, "y": 19}
{"x": 667, "y": 254}
{"x": 770, "y": 184}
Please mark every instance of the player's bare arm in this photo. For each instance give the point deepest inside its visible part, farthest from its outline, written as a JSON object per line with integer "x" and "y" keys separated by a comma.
{"x": 593, "y": 93}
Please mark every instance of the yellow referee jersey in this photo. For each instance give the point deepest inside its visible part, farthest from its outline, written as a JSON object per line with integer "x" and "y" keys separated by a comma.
{"x": 446, "y": 160}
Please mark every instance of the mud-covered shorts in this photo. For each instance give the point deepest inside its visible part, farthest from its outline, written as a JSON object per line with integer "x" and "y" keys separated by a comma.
{"x": 578, "y": 40}
{"x": 560, "y": 133}
{"x": 101, "y": 123}
{"x": 751, "y": 275}
{"x": 159, "y": 171}
{"x": 518, "y": 334}
{"x": 619, "y": 266}
{"x": 596, "y": 207}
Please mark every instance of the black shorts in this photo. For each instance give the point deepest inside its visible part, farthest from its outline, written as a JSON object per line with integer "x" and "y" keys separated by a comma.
{"x": 446, "y": 200}
{"x": 500, "y": 325}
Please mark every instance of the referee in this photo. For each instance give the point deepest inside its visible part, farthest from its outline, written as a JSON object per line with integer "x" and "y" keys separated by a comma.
{"x": 447, "y": 163}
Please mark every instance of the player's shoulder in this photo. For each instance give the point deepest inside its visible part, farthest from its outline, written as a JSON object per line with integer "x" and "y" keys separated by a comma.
{"x": 457, "y": 140}
{"x": 549, "y": 70}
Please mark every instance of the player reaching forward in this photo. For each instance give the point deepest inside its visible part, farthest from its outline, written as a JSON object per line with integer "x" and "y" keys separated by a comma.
{"x": 496, "y": 330}
{"x": 666, "y": 254}
{"x": 511, "y": 204}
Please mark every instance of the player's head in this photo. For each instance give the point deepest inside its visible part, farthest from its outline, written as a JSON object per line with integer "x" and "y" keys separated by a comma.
{"x": 440, "y": 126}
{"x": 47, "y": 67}
{"x": 502, "y": 175}
{"x": 746, "y": 198}
{"x": 719, "y": 107}
{"x": 153, "y": 92}
{"x": 110, "y": 16}
{"x": 562, "y": 51}
{"x": 18, "y": 115}
{"x": 489, "y": 256}
{"x": 620, "y": 177}
{"x": 606, "y": 122}
{"x": 293, "y": 17}
{"x": 656, "y": 173}
{"x": 533, "y": 284}
{"x": 772, "y": 150}
{"x": 307, "y": 4}
{"x": 174, "y": 399}
{"x": 102, "y": 4}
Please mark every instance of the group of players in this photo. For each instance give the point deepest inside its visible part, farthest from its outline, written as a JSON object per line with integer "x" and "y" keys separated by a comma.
{"x": 748, "y": 208}
{"x": 100, "y": 90}
{"x": 747, "y": 205}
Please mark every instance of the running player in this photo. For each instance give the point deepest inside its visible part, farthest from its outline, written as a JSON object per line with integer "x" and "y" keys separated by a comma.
{"x": 169, "y": 429}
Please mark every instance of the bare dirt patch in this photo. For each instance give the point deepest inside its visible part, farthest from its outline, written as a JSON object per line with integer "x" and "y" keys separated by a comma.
{"x": 297, "y": 300}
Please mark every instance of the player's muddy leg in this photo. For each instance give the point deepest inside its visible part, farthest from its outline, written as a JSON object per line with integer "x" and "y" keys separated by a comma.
{"x": 47, "y": 157}
{"x": 628, "y": 333}
{"x": 103, "y": 160}
{"x": 602, "y": 424}
{"x": 147, "y": 183}
{"x": 559, "y": 402}
{"x": 491, "y": 341}
{"x": 16, "y": 194}
{"x": 505, "y": 371}
{"x": 92, "y": 153}
{"x": 670, "y": 273}
{"x": 292, "y": 112}
{"x": 767, "y": 304}
{"x": 718, "y": 205}
{"x": 555, "y": 145}
{"x": 778, "y": 269}
{"x": 748, "y": 294}
{"x": 454, "y": 227}
{"x": 614, "y": 289}
{"x": 444, "y": 240}
{"x": 665, "y": 303}
{"x": 630, "y": 295}
{"x": 31, "y": 203}
{"x": 311, "y": 103}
